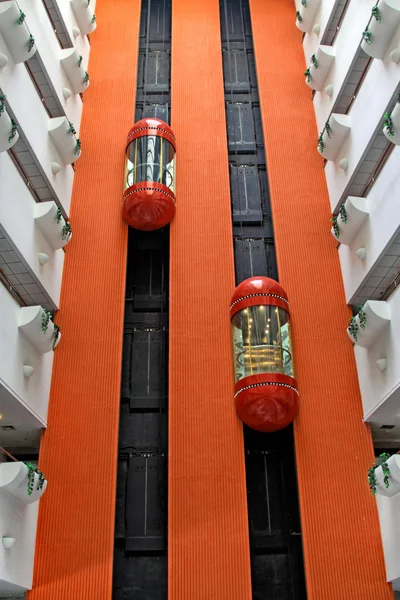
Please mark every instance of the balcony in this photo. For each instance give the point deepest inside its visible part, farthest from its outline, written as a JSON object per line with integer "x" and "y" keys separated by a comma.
{"x": 21, "y": 486}
{"x": 14, "y": 29}
{"x": 84, "y": 15}
{"x": 381, "y": 27}
{"x": 72, "y": 64}
{"x": 306, "y": 15}
{"x": 319, "y": 67}
{"x": 352, "y": 215}
{"x": 388, "y": 501}
{"x": 333, "y": 136}
{"x": 8, "y": 129}
{"x": 63, "y": 135}
{"x": 391, "y": 129}
{"x": 369, "y": 323}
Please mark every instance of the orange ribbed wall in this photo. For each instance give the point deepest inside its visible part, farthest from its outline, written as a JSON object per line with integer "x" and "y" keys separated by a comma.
{"x": 342, "y": 544}
{"x": 75, "y": 541}
{"x": 207, "y": 528}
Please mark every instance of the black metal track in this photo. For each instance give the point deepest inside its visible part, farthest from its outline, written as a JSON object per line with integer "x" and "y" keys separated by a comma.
{"x": 140, "y": 557}
{"x": 274, "y": 525}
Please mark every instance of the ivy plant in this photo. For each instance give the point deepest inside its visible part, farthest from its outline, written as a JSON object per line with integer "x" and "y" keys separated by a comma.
{"x": 2, "y": 105}
{"x": 13, "y": 133}
{"x": 304, "y": 3}
{"x": 307, "y": 74}
{"x": 335, "y": 226}
{"x": 66, "y": 231}
{"x": 328, "y": 129}
{"x": 314, "y": 61}
{"x": 56, "y": 334}
{"x": 299, "y": 18}
{"x": 78, "y": 147}
{"x": 367, "y": 36}
{"x": 71, "y": 130}
{"x": 80, "y": 60}
{"x": 343, "y": 213}
{"x": 31, "y": 42}
{"x": 58, "y": 215}
{"x": 321, "y": 144}
{"x": 86, "y": 78}
{"x": 375, "y": 12}
{"x": 88, "y": 2}
{"x": 362, "y": 317}
{"x": 46, "y": 316}
{"x": 388, "y": 124}
{"x": 386, "y": 473}
{"x": 21, "y": 18}
{"x": 31, "y": 479}
{"x": 353, "y": 324}
{"x": 93, "y": 19}
{"x": 352, "y": 328}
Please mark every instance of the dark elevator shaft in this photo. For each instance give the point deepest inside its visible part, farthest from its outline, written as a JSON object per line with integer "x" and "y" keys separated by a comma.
{"x": 140, "y": 557}
{"x": 274, "y": 524}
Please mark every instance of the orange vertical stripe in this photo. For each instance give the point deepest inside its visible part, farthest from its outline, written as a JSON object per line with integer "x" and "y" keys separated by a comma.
{"x": 207, "y": 527}
{"x": 342, "y": 545}
{"x": 75, "y": 542}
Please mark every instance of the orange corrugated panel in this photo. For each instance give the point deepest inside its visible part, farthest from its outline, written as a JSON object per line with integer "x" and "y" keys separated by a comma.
{"x": 342, "y": 545}
{"x": 75, "y": 542}
{"x": 207, "y": 526}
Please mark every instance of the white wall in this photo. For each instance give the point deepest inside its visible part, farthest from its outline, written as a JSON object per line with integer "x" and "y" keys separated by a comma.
{"x": 17, "y": 520}
{"x": 15, "y": 351}
{"x": 81, "y": 42}
{"x": 367, "y": 111}
{"x": 377, "y": 230}
{"x": 33, "y": 120}
{"x": 389, "y": 517}
{"x": 381, "y": 388}
{"x": 312, "y": 40}
{"x": 49, "y": 50}
{"x": 16, "y": 217}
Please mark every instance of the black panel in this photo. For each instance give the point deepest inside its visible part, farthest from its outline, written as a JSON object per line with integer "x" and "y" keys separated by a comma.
{"x": 241, "y": 136}
{"x": 145, "y": 504}
{"x": 139, "y": 577}
{"x": 246, "y": 199}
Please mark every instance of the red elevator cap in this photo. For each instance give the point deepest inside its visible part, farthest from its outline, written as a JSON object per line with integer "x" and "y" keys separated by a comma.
{"x": 152, "y": 127}
{"x": 257, "y": 291}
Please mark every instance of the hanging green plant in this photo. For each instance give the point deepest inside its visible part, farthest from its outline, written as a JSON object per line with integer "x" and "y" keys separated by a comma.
{"x": 307, "y": 73}
{"x": 328, "y": 129}
{"x": 88, "y": 2}
{"x": 388, "y": 124}
{"x": 80, "y": 60}
{"x": 58, "y": 215}
{"x": 71, "y": 129}
{"x": 299, "y": 18}
{"x": 335, "y": 226}
{"x": 352, "y": 328}
{"x": 56, "y": 334}
{"x": 14, "y": 128}
{"x": 362, "y": 317}
{"x": 31, "y": 42}
{"x": 21, "y": 18}
{"x": 367, "y": 35}
{"x": 46, "y": 316}
{"x": 66, "y": 231}
{"x": 314, "y": 61}
{"x": 321, "y": 144}
{"x": 2, "y": 105}
{"x": 86, "y": 78}
{"x": 386, "y": 473}
{"x": 343, "y": 213}
{"x": 31, "y": 479}
{"x": 375, "y": 12}
{"x": 304, "y": 3}
{"x": 93, "y": 19}
{"x": 78, "y": 146}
